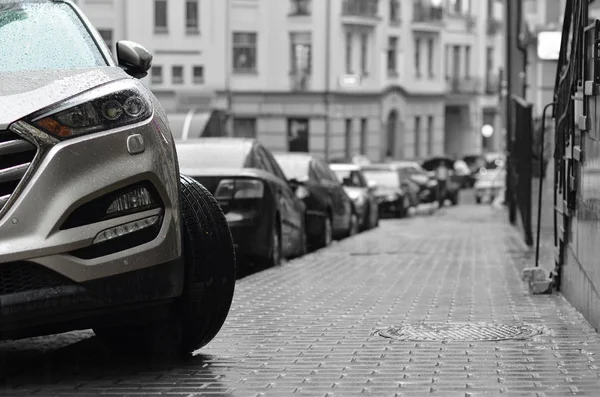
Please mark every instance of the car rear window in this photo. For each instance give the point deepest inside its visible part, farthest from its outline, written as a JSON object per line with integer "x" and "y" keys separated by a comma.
{"x": 385, "y": 178}
{"x": 41, "y": 36}
{"x": 212, "y": 155}
{"x": 294, "y": 167}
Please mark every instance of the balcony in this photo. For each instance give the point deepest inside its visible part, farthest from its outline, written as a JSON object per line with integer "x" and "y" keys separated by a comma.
{"x": 492, "y": 85}
{"x": 299, "y": 82}
{"x": 427, "y": 17}
{"x": 360, "y": 12}
{"x": 493, "y": 26}
{"x": 463, "y": 85}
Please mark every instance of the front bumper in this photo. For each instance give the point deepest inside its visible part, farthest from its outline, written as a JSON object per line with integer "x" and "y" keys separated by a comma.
{"x": 68, "y": 174}
{"x": 390, "y": 207}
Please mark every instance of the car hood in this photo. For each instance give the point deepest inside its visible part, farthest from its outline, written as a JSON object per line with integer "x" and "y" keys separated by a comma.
{"x": 385, "y": 190}
{"x": 22, "y": 93}
{"x": 354, "y": 192}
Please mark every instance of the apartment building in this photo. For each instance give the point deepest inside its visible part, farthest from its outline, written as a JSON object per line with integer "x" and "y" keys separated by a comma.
{"x": 398, "y": 78}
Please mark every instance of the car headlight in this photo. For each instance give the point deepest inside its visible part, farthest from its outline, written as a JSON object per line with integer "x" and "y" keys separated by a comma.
{"x": 95, "y": 110}
{"x": 392, "y": 197}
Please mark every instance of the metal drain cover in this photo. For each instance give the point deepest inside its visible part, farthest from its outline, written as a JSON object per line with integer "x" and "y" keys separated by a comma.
{"x": 469, "y": 332}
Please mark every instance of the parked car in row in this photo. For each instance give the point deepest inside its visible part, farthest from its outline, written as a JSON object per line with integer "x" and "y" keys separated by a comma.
{"x": 392, "y": 199}
{"x": 361, "y": 192}
{"x": 262, "y": 209}
{"x": 423, "y": 187}
{"x": 330, "y": 212}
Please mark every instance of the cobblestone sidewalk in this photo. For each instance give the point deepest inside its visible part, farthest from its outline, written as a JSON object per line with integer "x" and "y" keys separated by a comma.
{"x": 310, "y": 327}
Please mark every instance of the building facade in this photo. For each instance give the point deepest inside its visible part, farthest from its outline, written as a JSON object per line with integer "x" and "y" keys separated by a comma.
{"x": 384, "y": 78}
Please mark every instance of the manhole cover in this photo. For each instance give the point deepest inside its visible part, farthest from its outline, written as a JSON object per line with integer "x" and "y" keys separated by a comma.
{"x": 460, "y": 332}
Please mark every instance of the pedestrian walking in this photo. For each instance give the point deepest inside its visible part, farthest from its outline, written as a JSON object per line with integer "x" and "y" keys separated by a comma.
{"x": 442, "y": 172}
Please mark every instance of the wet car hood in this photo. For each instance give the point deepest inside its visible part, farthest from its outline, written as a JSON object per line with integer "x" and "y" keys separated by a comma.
{"x": 22, "y": 93}
{"x": 386, "y": 190}
{"x": 354, "y": 192}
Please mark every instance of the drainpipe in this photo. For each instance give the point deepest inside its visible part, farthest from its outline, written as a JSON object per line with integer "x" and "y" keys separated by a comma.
{"x": 228, "y": 66}
{"x": 327, "y": 76}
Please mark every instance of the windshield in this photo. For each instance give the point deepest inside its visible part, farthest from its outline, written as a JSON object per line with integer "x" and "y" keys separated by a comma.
{"x": 212, "y": 155}
{"x": 38, "y": 36}
{"x": 383, "y": 177}
{"x": 294, "y": 167}
{"x": 349, "y": 178}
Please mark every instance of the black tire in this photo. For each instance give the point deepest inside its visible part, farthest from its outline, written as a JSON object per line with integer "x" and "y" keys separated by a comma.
{"x": 327, "y": 237}
{"x": 198, "y": 314}
{"x": 275, "y": 253}
{"x": 354, "y": 226}
{"x": 454, "y": 198}
{"x": 478, "y": 200}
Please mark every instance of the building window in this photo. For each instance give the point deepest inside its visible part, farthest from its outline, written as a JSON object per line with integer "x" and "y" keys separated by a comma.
{"x": 395, "y": 11}
{"x": 417, "y": 136}
{"x": 191, "y": 16}
{"x": 177, "y": 74}
{"x": 363, "y": 135}
{"x": 301, "y": 52}
{"x": 244, "y": 52}
{"x": 447, "y": 62}
{"x": 418, "y": 57}
{"x": 348, "y": 139}
{"x": 430, "y": 135}
{"x": 364, "y": 54}
{"x": 107, "y": 36}
{"x": 298, "y": 134}
{"x": 156, "y": 74}
{"x": 198, "y": 74}
{"x": 430, "y": 58}
{"x": 349, "y": 69}
{"x": 392, "y": 56}
{"x": 300, "y": 7}
{"x": 160, "y": 16}
{"x": 468, "y": 62}
{"x": 244, "y": 127}
{"x": 455, "y": 6}
{"x": 489, "y": 70}
{"x": 455, "y": 62}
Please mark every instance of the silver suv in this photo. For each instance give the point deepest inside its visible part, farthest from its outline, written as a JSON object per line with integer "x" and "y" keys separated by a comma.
{"x": 97, "y": 228}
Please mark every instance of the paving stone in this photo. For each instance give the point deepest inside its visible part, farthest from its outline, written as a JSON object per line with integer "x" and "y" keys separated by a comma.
{"x": 310, "y": 327}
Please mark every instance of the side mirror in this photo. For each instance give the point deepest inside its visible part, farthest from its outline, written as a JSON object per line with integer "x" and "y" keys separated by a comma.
{"x": 133, "y": 58}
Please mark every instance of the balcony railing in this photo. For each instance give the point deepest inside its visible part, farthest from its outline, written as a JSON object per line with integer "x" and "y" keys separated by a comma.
{"x": 492, "y": 85}
{"x": 360, "y": 8}
{"x": 299, "y": 81}
{"x": 493, "y": 26}
{"x": 463, "y": 85}
{"x": 427, "y": 13}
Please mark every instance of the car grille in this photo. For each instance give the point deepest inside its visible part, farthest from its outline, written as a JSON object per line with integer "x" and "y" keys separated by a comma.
{"x": 16, "y": 156}
{"x": 16, "y": 277}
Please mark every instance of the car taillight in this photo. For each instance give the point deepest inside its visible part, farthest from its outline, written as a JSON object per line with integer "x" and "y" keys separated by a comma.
{"x": 230, "y": 189}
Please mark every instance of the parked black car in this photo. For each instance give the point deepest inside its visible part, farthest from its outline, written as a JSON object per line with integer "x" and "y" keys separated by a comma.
{"x": 454, "y": 181}
{"x": 363, "y": 195}
{"x": 266, "y": 219}
{"x": 391, "y": 198}
{"x": 330, "y": 212}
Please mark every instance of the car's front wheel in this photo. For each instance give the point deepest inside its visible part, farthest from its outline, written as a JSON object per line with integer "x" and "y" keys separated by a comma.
{"x": 198, "y": 314}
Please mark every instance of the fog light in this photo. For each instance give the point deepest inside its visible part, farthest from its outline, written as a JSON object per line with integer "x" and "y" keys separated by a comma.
{"x": 122, "y": 230}
{"x": 136, "y": 198}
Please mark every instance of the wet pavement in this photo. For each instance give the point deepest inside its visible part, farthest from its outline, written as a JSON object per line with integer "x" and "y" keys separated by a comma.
{"x": 320, "y": 326}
